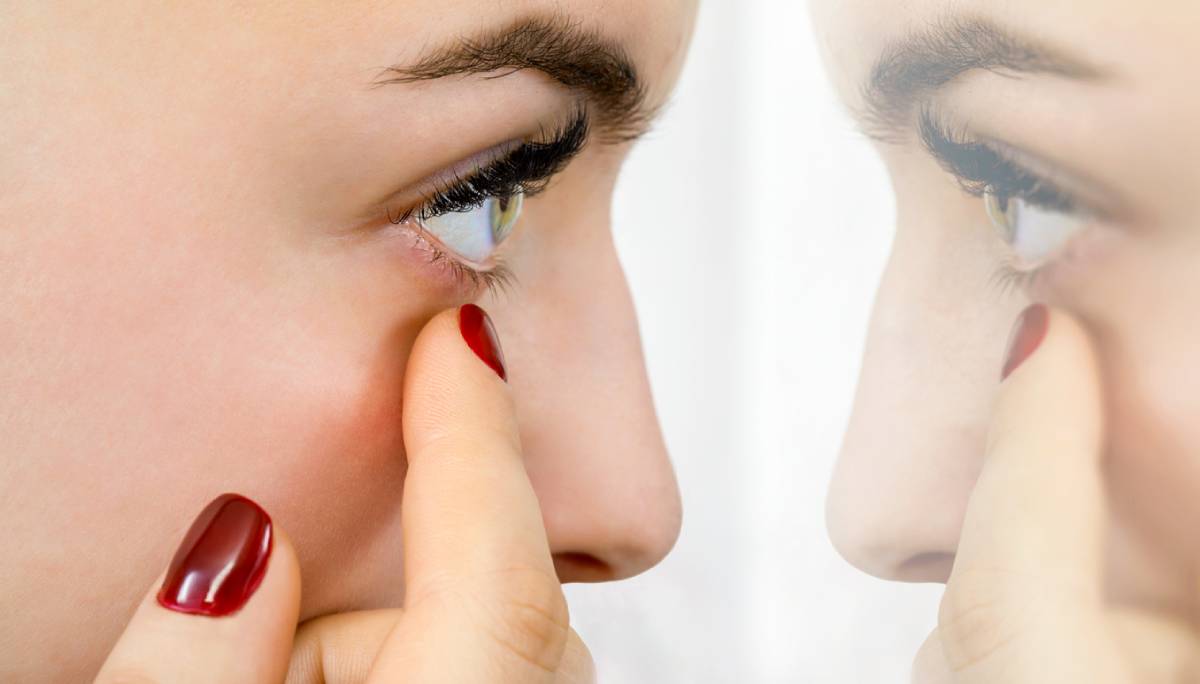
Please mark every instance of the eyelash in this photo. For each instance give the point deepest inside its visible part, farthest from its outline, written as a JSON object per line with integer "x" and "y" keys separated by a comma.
{"x": 980, "y": 168}
{"x": 527, "y": 169}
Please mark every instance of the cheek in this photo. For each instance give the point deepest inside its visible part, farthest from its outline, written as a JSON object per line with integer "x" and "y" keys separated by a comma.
{"x": 304, "y": 419}
{"x": 1147, "y": 355}
{"x": 1154, "y": 438}
{"x": 318, "y": 440}
{"x": 172, "y": 379}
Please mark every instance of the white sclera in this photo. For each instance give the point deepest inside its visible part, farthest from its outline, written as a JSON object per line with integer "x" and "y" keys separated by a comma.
{"x": 474, "y": 235}
{"x": 1036, "y": 235}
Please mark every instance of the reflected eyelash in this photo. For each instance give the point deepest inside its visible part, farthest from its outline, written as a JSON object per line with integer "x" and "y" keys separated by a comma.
{"x": 980, "y": 167}
{"x": 1008, "y": 279}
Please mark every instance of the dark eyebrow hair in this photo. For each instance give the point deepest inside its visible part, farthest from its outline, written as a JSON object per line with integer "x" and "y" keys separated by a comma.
{"x": 579, "y": 59}
{"x": 922, "y": 62}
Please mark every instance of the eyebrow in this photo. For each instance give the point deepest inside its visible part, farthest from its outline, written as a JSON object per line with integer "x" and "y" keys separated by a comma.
{"x": 579, "y": 59}
{"x": 922, "y": 62}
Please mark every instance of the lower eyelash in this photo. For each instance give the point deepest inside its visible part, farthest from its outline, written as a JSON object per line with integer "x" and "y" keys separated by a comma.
{"x": 495, "y": 280}
{"x": 1008, "y": 279}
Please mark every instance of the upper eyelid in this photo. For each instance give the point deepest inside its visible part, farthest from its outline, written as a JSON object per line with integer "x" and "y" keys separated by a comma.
{"x": 980, "y": 164}
{"x": 1085, "y": 192}
{"x": 527, "y": 165}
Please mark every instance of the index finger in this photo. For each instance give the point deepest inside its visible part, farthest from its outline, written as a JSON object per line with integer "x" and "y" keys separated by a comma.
{"x": 1024, "y": 598}
{"x": 483, "y": 601}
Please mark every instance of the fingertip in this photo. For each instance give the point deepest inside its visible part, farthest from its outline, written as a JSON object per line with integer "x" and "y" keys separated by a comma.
{"x": 1051, "y": 376}
{"x": 455, "y": 382}
{"x": 228, "y": 604}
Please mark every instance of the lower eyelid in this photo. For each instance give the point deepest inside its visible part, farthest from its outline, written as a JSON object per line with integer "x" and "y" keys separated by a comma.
{"x": 467, "y": 280}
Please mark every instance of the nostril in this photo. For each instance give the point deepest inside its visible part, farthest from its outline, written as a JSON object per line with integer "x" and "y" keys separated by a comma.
{"x": 581, "y": 567}
{"x": 925, "y": 567}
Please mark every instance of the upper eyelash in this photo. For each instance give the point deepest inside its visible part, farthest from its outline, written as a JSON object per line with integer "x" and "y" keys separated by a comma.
{"x": 527, "y": 169}
{"x": 980, "y": 168}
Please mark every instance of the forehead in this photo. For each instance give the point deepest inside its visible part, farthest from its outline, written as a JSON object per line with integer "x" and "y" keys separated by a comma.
{"x": 1124, "y": 36}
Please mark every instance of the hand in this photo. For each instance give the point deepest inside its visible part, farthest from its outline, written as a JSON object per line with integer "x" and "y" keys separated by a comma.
{"x": 1025, "y": 600}
{"x": 483, "y": 602}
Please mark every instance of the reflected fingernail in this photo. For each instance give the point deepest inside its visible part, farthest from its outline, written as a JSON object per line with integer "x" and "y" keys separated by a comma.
{"x": 222, "y": 559}
{"x": 480, "y": 335}
{"x": 1026, "y": 337}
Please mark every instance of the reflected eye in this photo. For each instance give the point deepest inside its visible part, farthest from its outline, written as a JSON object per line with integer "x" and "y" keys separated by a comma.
{"x": 1035, "y": 234}
{"x": 475, "y": 234}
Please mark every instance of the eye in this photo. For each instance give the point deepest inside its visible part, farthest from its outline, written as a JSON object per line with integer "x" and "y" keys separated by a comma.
{"x": 1035, "y": 234}
{"x": 475, "y": 233}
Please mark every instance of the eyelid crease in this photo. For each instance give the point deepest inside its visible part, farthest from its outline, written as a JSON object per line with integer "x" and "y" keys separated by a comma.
{"x": 526, "y": 167}
{"x": 980, "y": 164}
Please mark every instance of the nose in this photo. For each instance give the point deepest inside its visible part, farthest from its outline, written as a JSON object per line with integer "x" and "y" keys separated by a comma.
{"x": 592, "y": 443}
{"x": 914, "y": 445}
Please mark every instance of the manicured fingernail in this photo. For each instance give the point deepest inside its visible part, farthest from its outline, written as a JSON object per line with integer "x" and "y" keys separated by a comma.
{"x": 1026, "y": 337}
{"x": 222, "y": 559}
{"x": 480, "y": 335}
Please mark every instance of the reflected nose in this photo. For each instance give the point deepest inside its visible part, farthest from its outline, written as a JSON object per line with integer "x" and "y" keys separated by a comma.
{"x": 915, "y": 442}
{"x": 593, "y": 447}
{"x": 895, "y": 522}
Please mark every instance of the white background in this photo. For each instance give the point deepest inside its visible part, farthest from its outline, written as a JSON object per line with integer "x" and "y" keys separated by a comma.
{"x": 753, "y": 223}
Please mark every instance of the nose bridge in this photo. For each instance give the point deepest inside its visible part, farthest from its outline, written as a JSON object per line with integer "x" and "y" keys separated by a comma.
{"x": 914, "y": 445}
{"x": 593, "y": 447}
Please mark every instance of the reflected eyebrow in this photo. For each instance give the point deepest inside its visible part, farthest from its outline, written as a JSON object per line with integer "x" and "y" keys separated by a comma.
{"x": 579, "y": 59}
{"x": 922, "y": 62}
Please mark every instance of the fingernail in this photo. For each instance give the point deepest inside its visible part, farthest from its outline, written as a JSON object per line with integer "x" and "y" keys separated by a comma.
{"x": 222, "y": 559}
{"x": 1026, "y": 337}
{"x": 481, "y": 337}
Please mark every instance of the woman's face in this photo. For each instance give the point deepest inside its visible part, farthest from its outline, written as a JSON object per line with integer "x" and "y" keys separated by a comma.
{"x": 1080, "y": 119}
{"x": 204, "y": 289}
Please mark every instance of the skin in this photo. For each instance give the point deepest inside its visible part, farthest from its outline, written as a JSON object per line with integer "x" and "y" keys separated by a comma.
{"x": 184, "y": 310}
{"x": 915, "y": 446}
{"x": 489, "y": 610}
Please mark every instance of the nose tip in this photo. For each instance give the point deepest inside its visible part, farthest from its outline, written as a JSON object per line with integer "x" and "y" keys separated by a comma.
{"x": 621, "y": 543}
{"x": 890, "y": 540}
{"x": 925, "y": 567}
{"x": 582, "y": 567}
{"x": 893, "y": 562}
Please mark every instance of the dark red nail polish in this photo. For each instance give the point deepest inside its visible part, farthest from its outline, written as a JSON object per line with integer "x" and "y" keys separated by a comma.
{"x": 1026, "y": 337}
{"x": 481, "y": 337}
{"x": 222, "y": 559}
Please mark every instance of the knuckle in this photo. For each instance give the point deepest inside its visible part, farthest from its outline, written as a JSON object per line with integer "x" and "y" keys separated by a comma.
{"x": 444, "y": 445}
{"x": 529, "y": 617}
{"x": 978, "y": 617}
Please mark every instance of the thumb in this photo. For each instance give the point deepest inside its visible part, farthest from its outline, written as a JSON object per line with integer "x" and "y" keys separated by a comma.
{"x": 483, "y": 602}
{"x": 226, "y": 608}
{"x": 1023, "y": 603}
